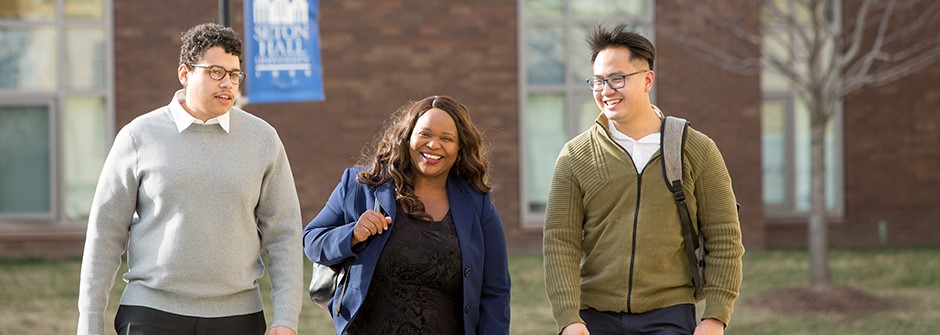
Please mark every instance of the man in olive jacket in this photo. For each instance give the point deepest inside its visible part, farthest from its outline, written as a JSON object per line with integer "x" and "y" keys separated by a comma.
{"x": 615, "y": 261}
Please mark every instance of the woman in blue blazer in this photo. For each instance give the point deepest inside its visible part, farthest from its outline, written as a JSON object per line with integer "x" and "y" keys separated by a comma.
{"x": 416, "y": 226}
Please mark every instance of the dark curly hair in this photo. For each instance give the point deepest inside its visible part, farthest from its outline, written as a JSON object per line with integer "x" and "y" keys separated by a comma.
{"x": 390, "y": 156}
{"x": 621, "y": 36}
{"x": 200, "y": 38}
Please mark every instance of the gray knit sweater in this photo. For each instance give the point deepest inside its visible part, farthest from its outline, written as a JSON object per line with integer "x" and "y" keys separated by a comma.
{"x": 210, "y": 205}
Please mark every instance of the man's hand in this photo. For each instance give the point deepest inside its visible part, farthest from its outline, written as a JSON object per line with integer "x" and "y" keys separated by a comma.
{"x": 282, "y": 331}
{"x": 575, "y": 329}
{"x": 710, "y": 327}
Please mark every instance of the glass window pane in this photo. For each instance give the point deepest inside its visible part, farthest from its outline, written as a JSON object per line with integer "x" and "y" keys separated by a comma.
{"x": 773, "y": 150}
{"x": 84, "y": 9}
{"x": 543, "y": 8}
{"x": 557, "y": 60}
{"x": 646, "y": 31}
{"x": 85, "y": 146}
{"x": 27, "y": 58}
{"x": 544, "y": 136}
{"x": 85, "y": 53}
{"x": 579, "y": 55}
{"x": 774, "y": 14}
{"x": 777, "y": 47}
{"x": 595, "y": 8}
{"x": 773, "y": 81}
{"x": 588, "y": 113}
{"x": 27, "y": 10}
{"x": 24, "y": 160}
{"x": 544, "y": 56}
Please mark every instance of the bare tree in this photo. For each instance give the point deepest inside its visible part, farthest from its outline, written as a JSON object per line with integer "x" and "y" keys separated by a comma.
{"x": 831, "y": 49}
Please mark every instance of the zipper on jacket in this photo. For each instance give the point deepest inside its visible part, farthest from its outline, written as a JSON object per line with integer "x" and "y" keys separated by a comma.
{"x": 636, "y": 215}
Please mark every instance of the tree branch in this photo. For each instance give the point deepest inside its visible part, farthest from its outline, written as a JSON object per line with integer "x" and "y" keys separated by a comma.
{"x": 911, "y": 26}
{"x": 747, "y": 66}
{"x": 725, "y": 23}
{"x": 872, "y": 54}
{"x": 856, "y": 45}
{"x": 892, "y": 73}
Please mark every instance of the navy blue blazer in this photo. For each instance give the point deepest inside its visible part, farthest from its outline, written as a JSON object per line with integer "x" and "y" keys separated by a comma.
{"x": 479, "y": 230}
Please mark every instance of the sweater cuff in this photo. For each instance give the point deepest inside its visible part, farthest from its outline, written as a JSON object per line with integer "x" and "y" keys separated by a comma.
{"x": 90, "y": 324}
{"x": 718, "y": 308}
{"x": 566, "y": 318}
{"x": 284, "y": 323}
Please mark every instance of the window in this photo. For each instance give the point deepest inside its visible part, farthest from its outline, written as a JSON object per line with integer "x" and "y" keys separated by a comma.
{"x": 25, "y": 147}
{"x": 555, "y": 103}
{"x": 55, "y": 107}
{"x": 785, "y": 129}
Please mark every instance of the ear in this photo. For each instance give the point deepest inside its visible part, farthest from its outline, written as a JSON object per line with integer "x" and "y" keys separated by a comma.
{"x": 650, "y": 76}
{"x": 183, "y": 74}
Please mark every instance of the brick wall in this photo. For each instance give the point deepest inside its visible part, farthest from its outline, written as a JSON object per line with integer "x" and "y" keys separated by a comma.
{"x": 45, "y": 242}
{"x": 890, "y": 152}
{"x": 892, "y": 170}
{"x": 722, "y": 104}
{"x": 376, "y": 57}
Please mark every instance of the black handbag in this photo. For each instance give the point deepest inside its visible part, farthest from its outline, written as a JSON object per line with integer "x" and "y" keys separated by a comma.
{"x": 324, "y": 281}
{"x": 326, "y": 278}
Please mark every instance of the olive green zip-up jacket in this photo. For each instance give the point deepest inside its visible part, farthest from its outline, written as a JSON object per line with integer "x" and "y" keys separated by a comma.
{"x": 613, "y": 238}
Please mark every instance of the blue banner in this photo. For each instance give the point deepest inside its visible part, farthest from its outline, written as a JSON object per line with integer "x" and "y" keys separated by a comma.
{"x": 282, "y": 51}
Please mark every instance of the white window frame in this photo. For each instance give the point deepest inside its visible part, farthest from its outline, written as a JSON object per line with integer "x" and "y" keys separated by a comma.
{"x": 788, "y": 211}
{"x": 56, "y": 99}
{"x": 574, "y": 90}
{"x": 47, "y": 102}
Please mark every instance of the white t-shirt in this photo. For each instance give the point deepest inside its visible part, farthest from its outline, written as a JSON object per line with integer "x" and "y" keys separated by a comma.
{"x": 641, "y": 151}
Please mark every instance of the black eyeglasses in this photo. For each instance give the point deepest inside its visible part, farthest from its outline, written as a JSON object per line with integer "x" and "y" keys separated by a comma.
{"x": 217, "y": 72}
{"x": 615, "y": 81}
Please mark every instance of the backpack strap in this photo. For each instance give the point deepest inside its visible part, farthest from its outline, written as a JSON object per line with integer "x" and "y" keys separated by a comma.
{"x": 672, "y": 143}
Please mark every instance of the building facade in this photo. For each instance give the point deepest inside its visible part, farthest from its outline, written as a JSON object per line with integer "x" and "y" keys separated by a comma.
{"x": 518, "y": 65}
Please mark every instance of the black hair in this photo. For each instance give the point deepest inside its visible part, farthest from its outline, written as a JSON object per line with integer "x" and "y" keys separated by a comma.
{"x": 200, "y": 38}
{"x": 390, "y": 157}
{"x": 621, "y": 36}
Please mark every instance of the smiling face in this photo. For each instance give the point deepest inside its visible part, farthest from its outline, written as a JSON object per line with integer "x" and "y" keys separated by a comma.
{"x": 617, "y": 104}
{"x": 207, "y": 98}
{"x": 434, "y": 144}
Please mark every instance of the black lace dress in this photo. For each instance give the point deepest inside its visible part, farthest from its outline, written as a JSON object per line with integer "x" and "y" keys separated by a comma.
{"x": 416, "y": 288}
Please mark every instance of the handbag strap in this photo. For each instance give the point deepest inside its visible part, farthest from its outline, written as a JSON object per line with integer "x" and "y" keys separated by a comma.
{"x": 377, "y": 206}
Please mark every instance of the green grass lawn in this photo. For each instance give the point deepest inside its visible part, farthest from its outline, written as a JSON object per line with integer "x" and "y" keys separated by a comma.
{"x": 40, "y": 297}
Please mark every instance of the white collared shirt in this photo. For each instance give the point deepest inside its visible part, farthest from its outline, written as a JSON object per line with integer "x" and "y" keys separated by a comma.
{"x": 183, "y": 119}
{"x": 641, "y": 151}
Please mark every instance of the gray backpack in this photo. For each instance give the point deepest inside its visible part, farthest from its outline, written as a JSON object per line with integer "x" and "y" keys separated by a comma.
{"x": 672, "y": 143}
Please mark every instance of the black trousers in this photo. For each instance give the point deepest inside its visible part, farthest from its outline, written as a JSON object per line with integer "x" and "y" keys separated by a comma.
{"x": 672, "y": 320}
{"x": 134, "y": 320}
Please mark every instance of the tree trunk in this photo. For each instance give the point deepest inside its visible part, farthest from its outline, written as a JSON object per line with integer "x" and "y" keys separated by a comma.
{"x": 818, "y": 229}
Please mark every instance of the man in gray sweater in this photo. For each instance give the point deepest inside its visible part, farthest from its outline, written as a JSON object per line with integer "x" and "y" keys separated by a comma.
{"x": 213, "y": 193}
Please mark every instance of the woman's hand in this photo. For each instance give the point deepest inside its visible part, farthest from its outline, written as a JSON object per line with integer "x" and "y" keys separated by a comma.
{"x": 370, "y": 223}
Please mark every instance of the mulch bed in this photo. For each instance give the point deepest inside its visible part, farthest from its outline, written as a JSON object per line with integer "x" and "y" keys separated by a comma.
{"x": 805, "y": 300}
